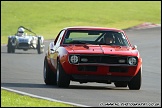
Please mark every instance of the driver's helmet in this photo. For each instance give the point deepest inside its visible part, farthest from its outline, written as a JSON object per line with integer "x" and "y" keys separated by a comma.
{"x": 109, "y": 38}
{"x": 20, "y": 32}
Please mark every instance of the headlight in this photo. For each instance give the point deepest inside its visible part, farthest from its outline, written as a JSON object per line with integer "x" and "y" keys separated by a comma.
{"x": 73, "y": 59}
{"x": 132, "y": 60}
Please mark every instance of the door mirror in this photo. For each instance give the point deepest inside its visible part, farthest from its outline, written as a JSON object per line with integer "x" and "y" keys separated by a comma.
{"x": 51, "y": 47}
{"x": 52, "y": 51}
{"x": 134, "y": 46}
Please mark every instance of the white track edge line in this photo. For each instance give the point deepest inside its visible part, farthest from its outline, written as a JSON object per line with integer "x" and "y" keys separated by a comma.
{"x": 45, "y": 98}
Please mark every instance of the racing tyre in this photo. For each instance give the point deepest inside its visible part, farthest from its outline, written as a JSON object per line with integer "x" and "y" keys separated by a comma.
{"x": 135, "y": 82}
{"x": 13, "y": 49}
{"x": 39, "y": 46}
{"x": 120, "y": 84}
{"x": 63, "y": 80}
{"x": 9, "y": 46}
{"x": 48, "y": 74}
{"x": 25, "y": 49}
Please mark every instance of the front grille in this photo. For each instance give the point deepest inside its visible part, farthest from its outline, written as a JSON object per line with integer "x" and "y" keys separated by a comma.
{"x": 112, "y": 59}
{"x": 23, "y": 45}
{"x": 105, "y": 59}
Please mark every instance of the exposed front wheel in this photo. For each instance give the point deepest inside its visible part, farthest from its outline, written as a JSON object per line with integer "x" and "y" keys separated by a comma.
{"x": 135, "y": 82}
{"x": 39, "y": 48}
{"x": 9, "y": 46}
{"x": 63, "y": 80}
{"x": 13, "y": 49}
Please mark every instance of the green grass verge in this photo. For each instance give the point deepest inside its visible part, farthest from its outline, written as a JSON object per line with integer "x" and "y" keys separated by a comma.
{"x": 48, "y": 17}
{"x": 10, "y": 99}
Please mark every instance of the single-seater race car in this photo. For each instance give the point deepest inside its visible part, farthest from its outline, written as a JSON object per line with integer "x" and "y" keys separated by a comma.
{"x": 25, "y": 42}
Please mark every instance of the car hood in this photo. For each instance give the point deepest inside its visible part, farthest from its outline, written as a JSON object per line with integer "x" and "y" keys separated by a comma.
{"x": 24, "y": 38}
{"x": 101, "y": 49}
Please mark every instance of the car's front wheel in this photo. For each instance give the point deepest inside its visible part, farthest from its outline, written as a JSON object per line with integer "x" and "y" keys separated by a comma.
{"x": 13, "y": 49}
{"x": 48, "y": 74}
{"x": 63, "y": 80}
{"x": 135, "y": 82}
{"x": 9, "y": 46}
{"x": 39, "y": 48}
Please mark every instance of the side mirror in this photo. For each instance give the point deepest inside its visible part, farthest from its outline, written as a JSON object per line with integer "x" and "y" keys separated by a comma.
{"x": 52, "y": 51}
{"x": 51, "y": 47}
{"x": 134, "y": 46}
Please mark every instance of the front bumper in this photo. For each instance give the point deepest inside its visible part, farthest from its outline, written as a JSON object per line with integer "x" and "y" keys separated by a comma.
{"x": 100, "y": 78}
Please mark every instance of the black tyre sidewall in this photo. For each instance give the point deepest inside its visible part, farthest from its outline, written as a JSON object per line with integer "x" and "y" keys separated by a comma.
{"x": 13, "y": 49}
{"x": 135, "y": 82}
{"x": 63, "y": 78}
{"x": 49, "y": 75}
{"x": 39, "y": 46}
{"x": 9, "y": 46}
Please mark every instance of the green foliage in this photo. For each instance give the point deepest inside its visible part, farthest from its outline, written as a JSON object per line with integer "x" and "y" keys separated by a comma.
{"x": 48, "y": 17}
{"x": 9, "y": 99}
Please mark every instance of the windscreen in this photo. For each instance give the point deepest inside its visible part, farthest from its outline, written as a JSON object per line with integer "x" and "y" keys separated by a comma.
{"x": 95, "y": 37}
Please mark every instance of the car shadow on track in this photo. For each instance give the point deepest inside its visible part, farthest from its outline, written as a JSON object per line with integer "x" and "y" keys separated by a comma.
{"x": 25, "y": 85}
{"x": 87, "y": 87}
{"x": 80, "y": 87}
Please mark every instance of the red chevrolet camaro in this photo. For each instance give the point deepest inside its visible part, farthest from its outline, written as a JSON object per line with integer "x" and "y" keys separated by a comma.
{"x": 92, "y": 54}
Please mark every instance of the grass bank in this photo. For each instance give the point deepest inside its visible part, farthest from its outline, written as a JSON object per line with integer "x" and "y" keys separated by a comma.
{"x": 9, "y": 99}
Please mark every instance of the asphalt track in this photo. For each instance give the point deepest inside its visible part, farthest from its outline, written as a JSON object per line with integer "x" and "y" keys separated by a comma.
{"x": 23, "y": 71}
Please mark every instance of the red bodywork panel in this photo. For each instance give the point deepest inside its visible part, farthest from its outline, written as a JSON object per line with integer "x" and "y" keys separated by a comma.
{"x": 101, "y": 69}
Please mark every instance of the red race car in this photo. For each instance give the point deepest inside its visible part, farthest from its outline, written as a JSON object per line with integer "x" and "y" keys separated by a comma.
{"x": 92, "y": 54}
